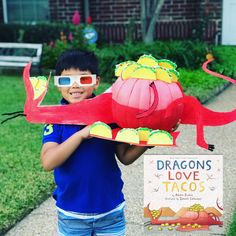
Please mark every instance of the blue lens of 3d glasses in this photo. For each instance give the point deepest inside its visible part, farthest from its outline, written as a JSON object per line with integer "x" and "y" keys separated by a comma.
{"x": 64, "y": 81}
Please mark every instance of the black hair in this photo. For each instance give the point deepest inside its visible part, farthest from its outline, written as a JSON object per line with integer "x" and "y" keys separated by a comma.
{"x": 77, "y": 59}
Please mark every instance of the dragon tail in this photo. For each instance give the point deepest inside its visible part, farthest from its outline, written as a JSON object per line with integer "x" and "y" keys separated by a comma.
{"x": 204, "y": 67}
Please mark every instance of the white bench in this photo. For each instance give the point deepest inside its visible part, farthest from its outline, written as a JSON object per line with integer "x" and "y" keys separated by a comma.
{"x": 19, "y": 54}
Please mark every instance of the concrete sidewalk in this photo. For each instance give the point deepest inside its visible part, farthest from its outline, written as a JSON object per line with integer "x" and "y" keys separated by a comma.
{"x": 42, "y": 221}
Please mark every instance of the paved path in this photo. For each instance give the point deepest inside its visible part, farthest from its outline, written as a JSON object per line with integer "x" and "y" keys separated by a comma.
{"x": 42, "y": 221}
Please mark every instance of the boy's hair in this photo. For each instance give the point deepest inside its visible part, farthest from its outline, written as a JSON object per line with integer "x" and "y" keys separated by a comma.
{"x": 77, "y": 59}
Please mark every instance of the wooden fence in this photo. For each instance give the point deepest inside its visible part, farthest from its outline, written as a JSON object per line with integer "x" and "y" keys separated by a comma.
{"x": 179, "y": 30}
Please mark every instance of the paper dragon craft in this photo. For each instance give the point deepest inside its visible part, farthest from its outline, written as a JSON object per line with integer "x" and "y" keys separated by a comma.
{"x": 146, "y": 102}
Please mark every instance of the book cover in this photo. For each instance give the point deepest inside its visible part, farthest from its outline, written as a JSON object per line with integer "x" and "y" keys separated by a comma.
{"x": 183, "y": 193}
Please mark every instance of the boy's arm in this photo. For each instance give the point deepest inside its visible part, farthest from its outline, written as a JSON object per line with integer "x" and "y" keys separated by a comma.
{"x": 54, "y": 154}
{"x": 127, "y": 153}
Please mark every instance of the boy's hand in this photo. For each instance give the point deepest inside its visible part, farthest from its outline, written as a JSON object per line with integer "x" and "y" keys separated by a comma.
{"x": 54, "y": 154}
{"x": 85, "y": 132}
{"x": 127, "y": 154}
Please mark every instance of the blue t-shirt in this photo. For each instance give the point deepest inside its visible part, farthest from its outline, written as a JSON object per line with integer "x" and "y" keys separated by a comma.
{"x": 90, "y": 180}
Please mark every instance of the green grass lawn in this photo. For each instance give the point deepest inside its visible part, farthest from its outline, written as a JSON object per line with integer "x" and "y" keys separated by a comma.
{"x": 23, "y": 183}
{"x": 201, "y": 85}
{"x": 232, "y": 227}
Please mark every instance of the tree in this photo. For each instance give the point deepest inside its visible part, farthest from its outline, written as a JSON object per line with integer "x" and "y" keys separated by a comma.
{"x": 86, "y": 9}
{"x": 150, "y": 11}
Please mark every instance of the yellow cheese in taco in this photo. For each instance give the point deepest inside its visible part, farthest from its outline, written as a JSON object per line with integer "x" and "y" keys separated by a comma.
{"x": 160, "y": 137}
{"x": 101, "y": 129}
{"x": 128, "y": 135}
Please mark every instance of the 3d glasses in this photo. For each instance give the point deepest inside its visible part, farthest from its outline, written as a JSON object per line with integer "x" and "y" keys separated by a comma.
{"x": 68, "y": 80}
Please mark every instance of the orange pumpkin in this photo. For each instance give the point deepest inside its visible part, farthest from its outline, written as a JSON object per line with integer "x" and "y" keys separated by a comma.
{"x": 143, "y": 103}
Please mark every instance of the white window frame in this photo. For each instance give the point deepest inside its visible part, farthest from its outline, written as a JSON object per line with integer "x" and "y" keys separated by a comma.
{"x": 5, "y": 16}
{"x": 5, "y": 13}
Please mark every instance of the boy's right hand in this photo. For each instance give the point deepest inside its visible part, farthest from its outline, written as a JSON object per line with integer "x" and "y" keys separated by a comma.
{"x": 85, "y": 132}
{"x": 54, "y": 154}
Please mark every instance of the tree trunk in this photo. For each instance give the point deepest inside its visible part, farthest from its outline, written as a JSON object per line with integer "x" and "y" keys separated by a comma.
{"x": 148, "y": 27}
{"x": 86, "y": 10}
{"x": 143, "y": 18}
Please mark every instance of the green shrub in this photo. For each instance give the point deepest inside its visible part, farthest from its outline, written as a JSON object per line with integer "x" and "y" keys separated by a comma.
{"x": 11, "y": 33}
{"x": 50, "y": 54}
{"x": 199, "y": 84}
{"x": 44, "y": 33}
{"x": 52, "y": 51}
{"x": 40, "y": 33}
{"x": 189, "y": 54}
{"x": 185, "y": 54}
{"x": 225, "y": 60}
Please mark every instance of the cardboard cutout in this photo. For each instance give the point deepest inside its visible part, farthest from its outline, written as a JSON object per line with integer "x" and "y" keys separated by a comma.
{"x": 146, "y": 94}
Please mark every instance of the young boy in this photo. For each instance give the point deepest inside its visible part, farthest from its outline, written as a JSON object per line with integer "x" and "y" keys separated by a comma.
{"x": 89, "y": 194}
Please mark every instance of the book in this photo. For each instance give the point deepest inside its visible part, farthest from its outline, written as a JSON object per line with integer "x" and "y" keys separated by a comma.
{"x": 183, "y": 193}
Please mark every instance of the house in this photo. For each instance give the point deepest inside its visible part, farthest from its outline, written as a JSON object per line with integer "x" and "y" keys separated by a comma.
{"x": 210, "y": 20}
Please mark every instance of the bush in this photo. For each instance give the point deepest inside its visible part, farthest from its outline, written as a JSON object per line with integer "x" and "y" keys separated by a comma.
{"x": 52, "y": 51}
{"x": 40, "y": 33}
{"x": 199, "y": 84}
{"x": 225, "y": 60}
{"x": 185, "y": 54}
{"x": 188, "y": 54}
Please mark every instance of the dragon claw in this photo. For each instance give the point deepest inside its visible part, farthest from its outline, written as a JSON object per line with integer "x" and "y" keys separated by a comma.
{"x": 211, "y": 147}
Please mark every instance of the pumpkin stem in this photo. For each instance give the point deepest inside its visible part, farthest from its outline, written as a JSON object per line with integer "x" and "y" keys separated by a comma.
{"x": 153, "y": 106}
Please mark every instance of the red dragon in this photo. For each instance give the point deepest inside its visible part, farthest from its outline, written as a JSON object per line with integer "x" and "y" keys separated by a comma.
{"x": 146, "y": 94}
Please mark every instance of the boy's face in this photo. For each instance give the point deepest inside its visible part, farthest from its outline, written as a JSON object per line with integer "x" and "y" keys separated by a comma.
{"x": 76, "y": 93}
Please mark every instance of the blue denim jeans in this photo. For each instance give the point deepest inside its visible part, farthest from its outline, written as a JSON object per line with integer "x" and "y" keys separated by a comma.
{"x": 110, "y": 224}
